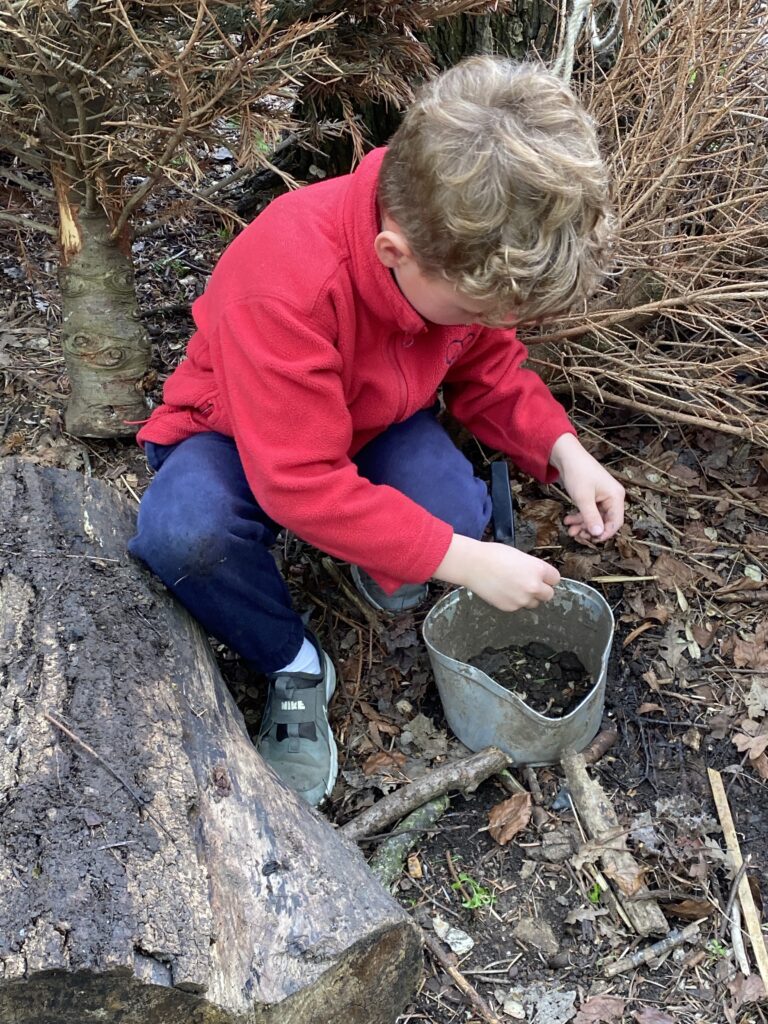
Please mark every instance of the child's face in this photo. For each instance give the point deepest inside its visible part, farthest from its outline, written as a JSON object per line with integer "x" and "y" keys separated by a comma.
{"x": 436, "y": 299}
{"x": 433, "y": 298}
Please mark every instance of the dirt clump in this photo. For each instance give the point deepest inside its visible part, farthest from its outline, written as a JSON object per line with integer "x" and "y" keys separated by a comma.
{"x": 551, "y": 682}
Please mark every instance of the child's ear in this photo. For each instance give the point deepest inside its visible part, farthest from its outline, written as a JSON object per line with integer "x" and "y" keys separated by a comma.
{"x": 391, "y": 246}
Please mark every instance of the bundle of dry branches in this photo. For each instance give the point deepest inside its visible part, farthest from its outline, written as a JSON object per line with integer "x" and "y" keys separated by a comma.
{"x": 680, "y": 331}
{"x": 93, "y": 93}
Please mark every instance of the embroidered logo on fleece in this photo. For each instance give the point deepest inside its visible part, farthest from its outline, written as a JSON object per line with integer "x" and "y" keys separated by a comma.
{"x": 456, "y": 347}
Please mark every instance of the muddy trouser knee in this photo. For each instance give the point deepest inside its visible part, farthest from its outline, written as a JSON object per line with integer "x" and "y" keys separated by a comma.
{"x": 202, "y": 532}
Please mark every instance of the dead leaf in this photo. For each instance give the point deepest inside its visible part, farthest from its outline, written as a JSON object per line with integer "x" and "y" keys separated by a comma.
{"x": 673, "y": 646}
{"x": 760, "y": 764}
{"x": 545, "y": 516}
{"x": 751, "y": 740}
{"x": 509, "y": 817}
{"x": 682, "y": 472}
{"x": 649, "y": 1015}
{"x": 424, "y": 734}
{"x": 608, "y": 1009}
{"x": 383, "y": 760}
{"x": 757, "y": 698}
{"x": 627, "y": 878}
{"x": 746, "y": 990}
{"x": 672, "y": 572}
{"x": 720, "y": 724}
{"x": 634, "y": 557}
{"x": 690, "y": 909}
{"x": 692, "y": 738}
{"x": 646, "y": 709}
{"x": 577, "y": 566}
{"x": 753, "y": 652}
{"x": 703, "y": 634}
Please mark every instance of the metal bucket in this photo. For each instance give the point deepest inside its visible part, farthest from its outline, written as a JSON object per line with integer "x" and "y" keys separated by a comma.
{"x": 482, "y": 713}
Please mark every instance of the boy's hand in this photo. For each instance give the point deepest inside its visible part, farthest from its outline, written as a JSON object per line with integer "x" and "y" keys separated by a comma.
{"x": 499, "y": 574}
{"x": 598, "y": 497}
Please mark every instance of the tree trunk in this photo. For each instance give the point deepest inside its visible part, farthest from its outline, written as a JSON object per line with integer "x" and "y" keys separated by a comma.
{"x": 106, "y": 348}
{"x": 527, "y": 29}
{"x": 153, "y": 870}
{"x": 521, "y": 33}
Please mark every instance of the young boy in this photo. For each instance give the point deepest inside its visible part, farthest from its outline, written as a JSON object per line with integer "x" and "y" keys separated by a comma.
{"x": 308, "y": 396}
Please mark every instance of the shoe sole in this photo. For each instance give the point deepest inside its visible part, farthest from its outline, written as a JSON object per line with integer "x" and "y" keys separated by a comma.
{"x": 330, "y": 689}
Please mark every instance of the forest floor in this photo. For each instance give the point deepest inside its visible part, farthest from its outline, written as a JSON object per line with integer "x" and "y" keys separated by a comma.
{"x": 687, "y": 690}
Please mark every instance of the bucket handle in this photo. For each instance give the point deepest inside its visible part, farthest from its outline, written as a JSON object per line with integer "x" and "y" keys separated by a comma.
{"x": 502, "y": 503}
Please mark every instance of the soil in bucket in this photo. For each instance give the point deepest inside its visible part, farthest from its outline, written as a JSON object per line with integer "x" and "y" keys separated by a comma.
{"x": 551, "y": 682}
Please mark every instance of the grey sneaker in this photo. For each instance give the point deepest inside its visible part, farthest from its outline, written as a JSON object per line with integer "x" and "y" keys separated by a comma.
{"x": 404, "y": 599}
{"x": 295, "y": 738}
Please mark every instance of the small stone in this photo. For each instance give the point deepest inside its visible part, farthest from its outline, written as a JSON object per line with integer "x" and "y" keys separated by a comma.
{"x": 538, "y": 934}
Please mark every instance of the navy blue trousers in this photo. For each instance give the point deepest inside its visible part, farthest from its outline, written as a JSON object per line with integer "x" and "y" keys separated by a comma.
{"x": 201, "y": 530}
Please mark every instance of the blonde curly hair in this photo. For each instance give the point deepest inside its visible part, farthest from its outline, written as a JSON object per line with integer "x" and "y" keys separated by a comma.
{"x": 495, "y": 179}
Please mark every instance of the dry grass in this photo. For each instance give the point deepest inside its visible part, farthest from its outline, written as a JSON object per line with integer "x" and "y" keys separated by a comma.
{"x": 680, "y": 331}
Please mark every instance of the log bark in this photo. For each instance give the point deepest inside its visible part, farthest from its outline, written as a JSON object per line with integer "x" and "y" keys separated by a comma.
{"x": 153, "y": 870}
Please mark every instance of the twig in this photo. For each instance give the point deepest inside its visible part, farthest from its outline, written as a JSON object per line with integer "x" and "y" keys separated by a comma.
{"x": 26, "y": 222}
{"x": 745, "y": 893}
{"x": 387, "y": 862}
{"x": 731, "y": 898}
{"x": 600, "y": 745}
{"x": 448, "y": 963}
{"x": 538, "y": 814}
{"x": 370, "y": 615}
{"x": 642, "y": 956}
{"x": 464, "y": 775}
{"x": 455, "y": 876}
{"x": 737, "y": 940}
{"x": 510, "y": 783}
{"x": 139, "y": 798}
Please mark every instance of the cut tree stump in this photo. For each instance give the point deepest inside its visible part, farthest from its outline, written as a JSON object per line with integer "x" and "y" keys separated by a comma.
{"x": 153, "y": 870}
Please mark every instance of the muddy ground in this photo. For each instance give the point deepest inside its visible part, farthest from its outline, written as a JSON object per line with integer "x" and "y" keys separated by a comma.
{"x": 687, "y": 690}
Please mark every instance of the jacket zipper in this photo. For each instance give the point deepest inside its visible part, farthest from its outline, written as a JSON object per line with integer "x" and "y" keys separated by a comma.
{"x": 401, "y": 379}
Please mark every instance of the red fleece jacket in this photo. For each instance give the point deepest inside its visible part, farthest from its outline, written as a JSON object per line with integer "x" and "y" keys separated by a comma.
{"x": 305, "y": 350}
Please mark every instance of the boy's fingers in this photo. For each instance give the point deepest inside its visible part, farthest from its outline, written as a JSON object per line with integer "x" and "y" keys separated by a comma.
{"x": 614, "y": 517}
{"x": 550, "y": 578}
{"x": 592, "y": 520}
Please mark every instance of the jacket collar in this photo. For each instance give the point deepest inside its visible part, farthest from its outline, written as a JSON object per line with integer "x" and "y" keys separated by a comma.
{"x": 373, "y": 281}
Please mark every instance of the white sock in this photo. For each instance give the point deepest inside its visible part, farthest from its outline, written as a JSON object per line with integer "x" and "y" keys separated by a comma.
{"x": 305, "y": 661}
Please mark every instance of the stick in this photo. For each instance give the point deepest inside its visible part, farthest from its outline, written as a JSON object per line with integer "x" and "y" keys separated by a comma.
{"x": 139, "y": 798}
{"x": 737, "y": 940}
{"x": 387, "y": 862}
{"x": 538, "y": 814}
{"x": 641, "y": 956}
{"x": 510, "y": 783}
{"x": 600, "y": 745}
{"x": 447, "y": 962}
{"x": 464, "y": 775}
{"x": 745, "y": 893}
{"x": 600, "y": 819}
{"x": 731, "y": 897}
{"x": 368, "y": 613}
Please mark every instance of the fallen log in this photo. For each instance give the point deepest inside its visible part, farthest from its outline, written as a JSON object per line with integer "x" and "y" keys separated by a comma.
{"x": 153, "y": 870}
